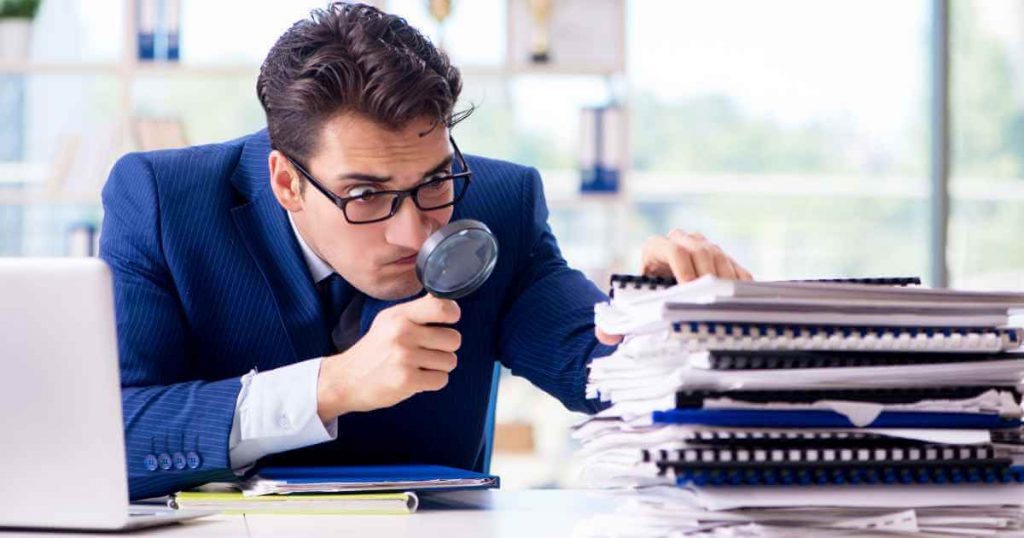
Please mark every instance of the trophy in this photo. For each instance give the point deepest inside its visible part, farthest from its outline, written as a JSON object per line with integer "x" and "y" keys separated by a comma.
{"x": 440, "y": 10}
{"x": 540, "y": 10}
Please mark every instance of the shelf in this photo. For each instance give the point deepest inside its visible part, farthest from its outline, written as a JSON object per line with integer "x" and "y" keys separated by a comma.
{"x": 185, "y": 70}
{"x": 20, "y": 173}
{"x": 553, "y": 70}
{"x": 15, "y": 198}
{"x": 59, "y": 68}
{"x": 648, "y": 187}
{"x": 129, "y": 69}
{"x": 251, "y": 70}
{"x": 561, "y": 188}
{"x": 656, "y": 187}
{"x": 587, "y": 200}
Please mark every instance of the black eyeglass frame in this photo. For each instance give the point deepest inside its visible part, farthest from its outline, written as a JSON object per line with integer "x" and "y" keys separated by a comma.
{"x": 400, "y": 195}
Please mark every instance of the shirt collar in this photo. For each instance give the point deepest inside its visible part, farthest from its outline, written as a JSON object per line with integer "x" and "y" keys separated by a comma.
{"x": 317, "y": 266}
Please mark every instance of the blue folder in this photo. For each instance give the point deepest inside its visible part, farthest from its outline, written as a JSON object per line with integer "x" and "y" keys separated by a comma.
{"x": 756, "y": 418}
{"x": 373, "y": 478}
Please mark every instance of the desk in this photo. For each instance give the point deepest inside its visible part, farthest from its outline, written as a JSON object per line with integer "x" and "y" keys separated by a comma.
{"x": 477, "y": 514}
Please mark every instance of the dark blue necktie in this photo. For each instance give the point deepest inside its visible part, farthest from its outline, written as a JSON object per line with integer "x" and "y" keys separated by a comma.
{"x": 335, "y": 295}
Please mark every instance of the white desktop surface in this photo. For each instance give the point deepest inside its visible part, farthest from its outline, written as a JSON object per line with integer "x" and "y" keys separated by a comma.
{"x": 478, "y": 514}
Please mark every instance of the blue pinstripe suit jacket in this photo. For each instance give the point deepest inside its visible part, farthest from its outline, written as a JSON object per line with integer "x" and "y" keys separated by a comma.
{"x": 210, "y": 283}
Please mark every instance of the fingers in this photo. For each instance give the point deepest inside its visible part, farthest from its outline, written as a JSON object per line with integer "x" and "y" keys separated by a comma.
{"x": 440, "y": 361}
{"x": 651, "y": 263}
{"x": 699, "y": 250}
{"x": 430, "y": 309}
{"x": 663, "y": 257}
{"x": 429, "y": 380}
{"x": 422, "y": 370}
{"x": 687, "y": 256}
{"x": 433, "y": 338}
{"x": 741, "y": 273}
{"x": 724, "y": 267}
{"x": 607, "y": 339}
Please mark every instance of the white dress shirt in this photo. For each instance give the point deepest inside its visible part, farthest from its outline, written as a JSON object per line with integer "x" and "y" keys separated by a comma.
{"x": 276, "y": 410}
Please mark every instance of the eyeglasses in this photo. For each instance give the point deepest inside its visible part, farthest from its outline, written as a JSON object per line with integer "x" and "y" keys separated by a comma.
{"x": 375, "y": 206}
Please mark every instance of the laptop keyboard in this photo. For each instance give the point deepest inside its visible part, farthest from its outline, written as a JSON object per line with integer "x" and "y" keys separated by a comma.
{"x": 149, "y": 511}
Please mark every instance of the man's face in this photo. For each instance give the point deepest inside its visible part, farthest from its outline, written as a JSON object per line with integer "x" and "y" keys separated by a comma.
{"x": 355, "y": 155}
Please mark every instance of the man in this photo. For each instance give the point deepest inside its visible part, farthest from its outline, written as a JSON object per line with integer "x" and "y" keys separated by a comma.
{"x": 267, "y": 304}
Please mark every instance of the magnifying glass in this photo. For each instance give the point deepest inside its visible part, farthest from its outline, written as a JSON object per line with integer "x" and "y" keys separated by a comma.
{"x": 457, "y": 259}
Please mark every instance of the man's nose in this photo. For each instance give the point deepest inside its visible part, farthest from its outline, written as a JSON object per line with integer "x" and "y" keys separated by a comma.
{"x": 409, "y": 227}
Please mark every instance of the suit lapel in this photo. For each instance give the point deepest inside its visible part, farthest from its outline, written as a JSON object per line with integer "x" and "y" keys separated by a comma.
{"x": 264, "y": 228}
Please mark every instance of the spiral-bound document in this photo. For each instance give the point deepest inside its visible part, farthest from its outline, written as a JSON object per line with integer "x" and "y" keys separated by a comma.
{"x": 729, "y": 336}
{"x": 820, "y": 418}
{"x": 782, "y": 359}
{"x": 625, "y": 284}
{"x": 625, "y": 287}
{"x": 632, "y": 317}
{"x": 851, "y": 463}
{"x": 944, "y": 398}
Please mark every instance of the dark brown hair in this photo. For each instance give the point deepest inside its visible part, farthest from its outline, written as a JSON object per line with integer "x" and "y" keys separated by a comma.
{"x": 353, "y": 58}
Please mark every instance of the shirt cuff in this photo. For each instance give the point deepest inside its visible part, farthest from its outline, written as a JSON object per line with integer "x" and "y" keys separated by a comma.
{"x": 276, "y": 411}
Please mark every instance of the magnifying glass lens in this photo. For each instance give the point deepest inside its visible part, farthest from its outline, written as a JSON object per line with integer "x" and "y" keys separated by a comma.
{"x": 458, "y": 261}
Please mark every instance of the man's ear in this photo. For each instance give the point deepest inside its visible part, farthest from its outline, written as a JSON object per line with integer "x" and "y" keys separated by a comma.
{"x": 285, "y": 182}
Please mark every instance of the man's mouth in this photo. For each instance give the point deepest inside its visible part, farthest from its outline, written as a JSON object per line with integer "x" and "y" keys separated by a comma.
{"x": 408, "y": 260}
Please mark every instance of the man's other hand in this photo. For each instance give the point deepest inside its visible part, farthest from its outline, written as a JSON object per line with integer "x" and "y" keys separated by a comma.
{"x": 685, "y": 257}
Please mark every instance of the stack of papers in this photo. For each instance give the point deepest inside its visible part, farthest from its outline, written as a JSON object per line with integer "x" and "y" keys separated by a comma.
{"x": 755, "y": 409}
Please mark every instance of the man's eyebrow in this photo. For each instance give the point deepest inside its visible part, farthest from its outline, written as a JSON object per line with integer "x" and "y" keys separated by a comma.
{"x": 442, "y": 166}
{"x": 364, "y": 177}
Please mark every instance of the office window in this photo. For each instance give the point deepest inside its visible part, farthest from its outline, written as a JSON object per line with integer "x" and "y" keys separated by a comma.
{"x": 987, "y": 144}
{"x": 793, "y": 132}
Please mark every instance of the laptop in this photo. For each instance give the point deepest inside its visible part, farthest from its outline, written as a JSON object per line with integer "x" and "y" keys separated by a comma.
{"x": 62, "y": 456}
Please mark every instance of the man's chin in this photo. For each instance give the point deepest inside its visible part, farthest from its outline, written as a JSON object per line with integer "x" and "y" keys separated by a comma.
{"x": 396, "y": 291}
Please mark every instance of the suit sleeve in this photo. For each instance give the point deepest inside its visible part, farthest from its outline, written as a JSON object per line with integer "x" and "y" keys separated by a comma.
{"x": 172, "y": 420}
{"x": 547, "y": 332}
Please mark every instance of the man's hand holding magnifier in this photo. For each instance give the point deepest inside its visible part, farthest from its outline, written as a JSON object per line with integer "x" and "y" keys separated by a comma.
{"x": 410, "y": 348}
{"x": 406, "y": 351}
{"x": 684, "y": 257}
